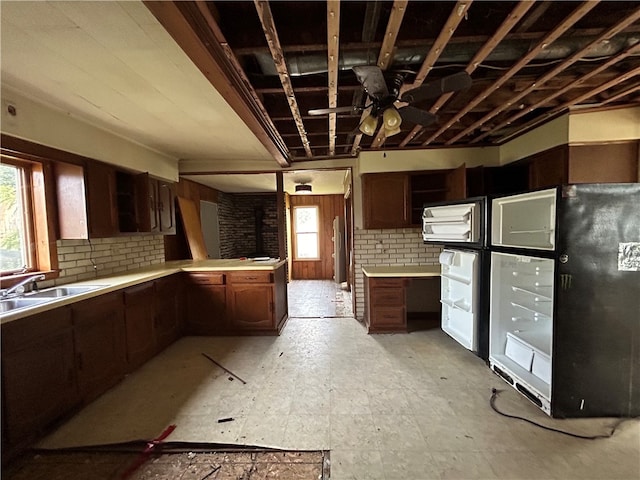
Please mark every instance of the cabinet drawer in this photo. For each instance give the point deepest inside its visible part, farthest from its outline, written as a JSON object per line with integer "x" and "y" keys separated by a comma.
{"x": 213, "y": 278}
{"x": 387, "y": 317}
{"x": 392, "y": 297}
{"x": 250, "y": 277}
{"x": 386, "y": 282}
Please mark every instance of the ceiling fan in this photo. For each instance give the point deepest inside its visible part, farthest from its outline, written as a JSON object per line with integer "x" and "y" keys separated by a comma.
{"x": 394, "y": 109}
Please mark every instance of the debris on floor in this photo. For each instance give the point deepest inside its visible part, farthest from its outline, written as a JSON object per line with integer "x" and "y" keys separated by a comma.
{"x": 225, "y": 369}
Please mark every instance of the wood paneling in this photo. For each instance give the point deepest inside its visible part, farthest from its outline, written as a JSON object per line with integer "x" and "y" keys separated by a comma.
{"x": 329, "y": 206}
{"x": 604, "y": 163}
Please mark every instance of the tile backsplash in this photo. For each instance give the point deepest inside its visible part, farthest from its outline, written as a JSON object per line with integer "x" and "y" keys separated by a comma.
{"x": 401, "y": 246}
{"x": 86, "y": 259}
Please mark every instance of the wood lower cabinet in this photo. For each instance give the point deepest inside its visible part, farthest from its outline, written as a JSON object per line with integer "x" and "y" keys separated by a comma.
{"x": 99, "y": 339}
{"x": 169, "y": 303}
{"x": 385, "y": 304}
{"x": 205, "y": 295}
{"x": 38, "y": 373}
{"x": 256, "y": 301}
{"x": 139, "y": 314}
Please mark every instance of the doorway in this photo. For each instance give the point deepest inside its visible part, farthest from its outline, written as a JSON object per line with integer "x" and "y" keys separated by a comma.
{"x": 318, "y": 299}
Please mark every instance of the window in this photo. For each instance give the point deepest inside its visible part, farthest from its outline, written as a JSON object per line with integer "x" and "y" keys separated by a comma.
{"x": 305, "y": 226}
{"x": 15, "y": 231}
{"x": 27, "y": 240}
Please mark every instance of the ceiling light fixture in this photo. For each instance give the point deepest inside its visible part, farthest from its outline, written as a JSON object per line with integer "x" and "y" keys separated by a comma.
{"x": 391, "y": 120}
{"x": 368, "y": 125}
{"x": 303, "y": 188}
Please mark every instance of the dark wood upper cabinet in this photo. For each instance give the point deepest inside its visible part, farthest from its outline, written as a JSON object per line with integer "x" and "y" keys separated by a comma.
{"x": 166, "y": 206}
{"x": 102, "y": 200}
{"x": 385, "y": 200}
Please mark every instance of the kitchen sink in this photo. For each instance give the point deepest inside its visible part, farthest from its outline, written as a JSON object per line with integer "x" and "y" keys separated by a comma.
{"x": 15, "y": 303}
{"x": 44, "y": 296}
{"x": 57, "y": 292}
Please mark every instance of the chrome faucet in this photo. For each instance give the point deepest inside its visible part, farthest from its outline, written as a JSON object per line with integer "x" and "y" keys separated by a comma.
{"x": 19, "y": 288}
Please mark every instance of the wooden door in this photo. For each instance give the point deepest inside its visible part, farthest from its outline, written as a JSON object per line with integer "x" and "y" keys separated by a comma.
{"x": 38, "y": 374}
{"x": 102, "y": 200}
{"x": 250, "y": 306}
{"x": 139, "y": 324}
{"x": 205, "y": 295}
{"x": 166, "y": 207}
{"x": 99, "y": 340}
{"x": 385, "y": 198}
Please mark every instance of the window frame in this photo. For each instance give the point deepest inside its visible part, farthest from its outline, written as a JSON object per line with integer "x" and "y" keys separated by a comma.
{"x": 295, "y": 234}
{"x": 39, "y": 201}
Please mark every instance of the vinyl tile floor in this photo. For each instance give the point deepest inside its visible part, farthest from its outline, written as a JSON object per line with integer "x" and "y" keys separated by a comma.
{"x": 405, "y": 406}
{"x": 318, "y": 299}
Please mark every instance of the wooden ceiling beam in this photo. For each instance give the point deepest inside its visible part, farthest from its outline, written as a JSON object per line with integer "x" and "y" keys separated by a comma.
{"x": 385, "y": 57}
{"x": 627, "y": 91}
{"x": 333, "y": 51}
{"x": 512, "y": 20}
{"x": 554, "y": 72}
{"x": 564, "y": 106}
{"x": 271, "y": 34}
{"x": 562, "y": 27}
{"x": 633, "y": 50}
{"x": 195, "y": 30}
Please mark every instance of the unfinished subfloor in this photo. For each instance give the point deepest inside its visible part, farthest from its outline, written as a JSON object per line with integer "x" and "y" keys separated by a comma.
{"x": 404, "y": 406}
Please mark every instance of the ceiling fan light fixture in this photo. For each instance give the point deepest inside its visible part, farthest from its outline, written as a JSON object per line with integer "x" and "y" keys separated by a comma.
{"x": 391, "y": 119}
{"x": 368, "y": 125}
{"x": 303, "y": 188}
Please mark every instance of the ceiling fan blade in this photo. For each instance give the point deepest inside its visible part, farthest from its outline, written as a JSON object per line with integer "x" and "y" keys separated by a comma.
{"x": 371, "y": 78}
{"x": 452, "y": 83}
{"x": 417, "y": 116}
{"x": 325, "y": 111}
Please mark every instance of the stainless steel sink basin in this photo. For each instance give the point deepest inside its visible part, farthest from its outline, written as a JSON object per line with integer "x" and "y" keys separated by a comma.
{"x": 15, "y": 303}
{"x": 44, "y": 296}
{"x": 57, "y": 292}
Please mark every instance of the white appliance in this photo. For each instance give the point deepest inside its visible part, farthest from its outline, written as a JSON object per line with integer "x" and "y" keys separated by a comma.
{"x": 453, "y": 222}
{"x": 459, "y": 296}
{"x": 339, "y": 258}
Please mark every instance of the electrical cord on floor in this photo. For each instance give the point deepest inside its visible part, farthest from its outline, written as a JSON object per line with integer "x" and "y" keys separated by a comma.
{"x": 492, "y": 402}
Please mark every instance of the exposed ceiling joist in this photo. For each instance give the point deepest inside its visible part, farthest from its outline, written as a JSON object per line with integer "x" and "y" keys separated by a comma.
{"x": 625, "y": 92}
{"x": 512, "y": 19}
{"x": 604, "y": 36}
{"x": 574, "y": 101}
{"x": 456, "y": 16}
{"x": 567, "y": 23}
{"x": 271, "y": 34}
{"x": 634, "y": 50}
{"x": 385, "y": 57}
{"x": 333, "y": 52}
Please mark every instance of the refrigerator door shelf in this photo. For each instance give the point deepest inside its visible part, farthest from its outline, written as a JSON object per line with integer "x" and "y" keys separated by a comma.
{"x": 460, "y": 326}
{"x": 460, "y": 304}
{"x": 452, "y": 223}
{"x": 457, "y": 278}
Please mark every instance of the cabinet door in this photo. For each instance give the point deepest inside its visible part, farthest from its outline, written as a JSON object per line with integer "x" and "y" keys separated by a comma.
{"x": 205, "y": 296}
{"x": 154, "y": 214}
{"x": 102, "y": 200}
{"x": 250, "y": 306}
{"x": 169, "y": 300}
{"x": 166, "y": 207}
{"x": 99, "y": 343}
{"x": 139, "y": 313}
{"x": 457, "y": 183}
{"x": 38, "y": 375}
{"x": 386, "y": 200}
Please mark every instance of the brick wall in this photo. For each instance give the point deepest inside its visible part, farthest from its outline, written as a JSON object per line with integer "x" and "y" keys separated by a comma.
{"x": 402, "y": 246}
{"x": 237, "y": 218}
{"x": 83, "y": 259}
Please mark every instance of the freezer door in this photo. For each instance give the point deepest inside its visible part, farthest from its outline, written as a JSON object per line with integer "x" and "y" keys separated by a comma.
{"x": 453, "y": 223}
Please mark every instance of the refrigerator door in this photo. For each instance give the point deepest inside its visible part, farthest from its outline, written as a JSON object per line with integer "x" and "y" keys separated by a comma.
{"x": 455, "y": 223}
{"x": 527, "y": 220}
{"x": 459, "y": 296}
{"x": 596, "y": 363}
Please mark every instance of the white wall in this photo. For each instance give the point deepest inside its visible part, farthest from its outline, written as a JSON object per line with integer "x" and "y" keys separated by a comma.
{"x": 49, "y": 126}
{"x": 551, "y": 134}
{"x": 619, "y": 124}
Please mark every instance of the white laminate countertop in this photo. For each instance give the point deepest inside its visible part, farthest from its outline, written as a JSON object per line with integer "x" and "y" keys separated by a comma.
{"x": 414, "y": 271}
{"x": 112, "y": 283}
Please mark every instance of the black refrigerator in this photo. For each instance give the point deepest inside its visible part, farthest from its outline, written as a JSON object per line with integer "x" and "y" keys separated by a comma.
{"x": 564, "y": 309}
